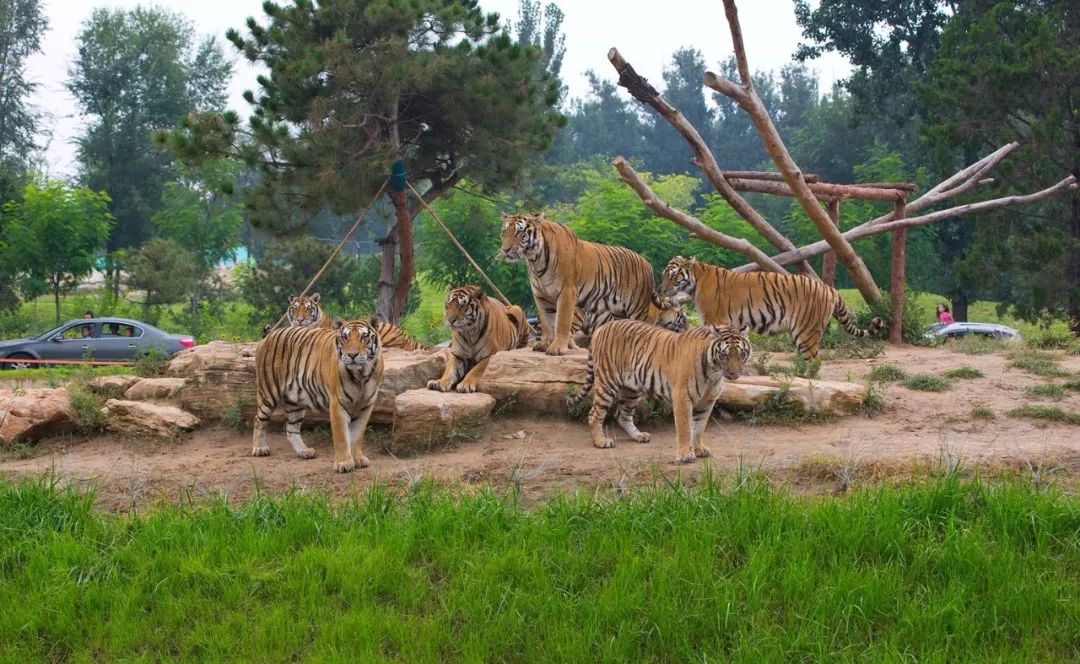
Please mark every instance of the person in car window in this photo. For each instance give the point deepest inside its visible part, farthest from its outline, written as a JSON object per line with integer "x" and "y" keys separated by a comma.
{"x": 88, "y": 314}
{"x": 943, "y": 315}
{"x": 128, "y": 331}
{"x": 114, "y": 329}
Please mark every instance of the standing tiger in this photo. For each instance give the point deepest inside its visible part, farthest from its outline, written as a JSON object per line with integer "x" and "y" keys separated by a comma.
{"x": 629, "y": 360}
{"x": 568, "y": 274}
{"x": 479, "y": 327}
{"x": 763, "y": 302}
{"x": 334, "y": 371}
{"x": 305, "y": 311}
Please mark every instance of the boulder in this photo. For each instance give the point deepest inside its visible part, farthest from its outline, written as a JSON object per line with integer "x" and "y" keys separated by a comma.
{"x": 748, "y": 392}
{"x": 402, "y": 371}
{"x": 111, "y": 386}
{"x": 218, "y": 355}
{"x": 27, "y": 415}
{"x": 147, "y": 419}
{"x": 153, "y": 389}
{"x": 424, "y": 418}
{"x": 527, "y": 382}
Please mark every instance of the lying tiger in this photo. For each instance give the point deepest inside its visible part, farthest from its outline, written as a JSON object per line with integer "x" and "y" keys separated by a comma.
{"x": 479, "y": 328}
{"x": 763, "y": 302}
{"x": 629, "y": 360}
{"x": 305, "y": 311}
{"x": 567, "y": 274}
{"x": 336, "y": 371}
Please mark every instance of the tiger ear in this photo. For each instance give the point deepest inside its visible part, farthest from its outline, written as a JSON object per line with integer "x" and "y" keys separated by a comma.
{"x": 376, "y": 319}
{"x": 338, "y": 323}
{"x": 292, "y": 298}
{"x": 315, "y": 298}
{"x": 478, "y": 292}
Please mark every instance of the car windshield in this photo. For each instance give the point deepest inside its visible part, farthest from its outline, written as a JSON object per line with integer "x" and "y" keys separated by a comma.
{"x": 51, "y": 333}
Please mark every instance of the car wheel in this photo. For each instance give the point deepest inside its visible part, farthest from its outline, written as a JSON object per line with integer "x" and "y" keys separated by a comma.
{"x": 23, "y": 362}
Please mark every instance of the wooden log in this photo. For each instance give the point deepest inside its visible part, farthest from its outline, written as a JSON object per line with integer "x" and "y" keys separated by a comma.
{"x": 749, "y": 392}
{"x": 748, "y": 100}
{"x": 876, "y": 226}
{"x": 821, "y": 191}
{"x": 703, "y": 158}
{"x": 764, "y": 175}
{"x": 828, "y": 264}
{"x": 896, "y": 290}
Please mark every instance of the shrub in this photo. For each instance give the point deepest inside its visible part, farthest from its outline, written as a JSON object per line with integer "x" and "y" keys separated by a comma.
{"x": 927, "y": 383}
{"x": 885, "y": 373}
{"x": 873, "y": 401}
{"x": 964, "y": 373}
{"x": 780, "y": 410}
{"x": 152, "y": 363}
{"x": 86, "y": 406}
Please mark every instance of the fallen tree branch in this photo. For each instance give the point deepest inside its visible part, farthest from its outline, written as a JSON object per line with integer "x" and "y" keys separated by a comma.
{"x": 822, "y": 192}
{"x": 695, "y": 226}
{"x": 763, "y": 175}
{"x": 868, "y": 229}
{"x": 703, "y": 158}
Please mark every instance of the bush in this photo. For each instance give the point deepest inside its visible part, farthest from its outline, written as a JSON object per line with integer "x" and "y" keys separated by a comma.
{"x": 927, "y": 383}
{"x": 86, "y": 406}
{"x": 964, "y": 373}
{"x": 885, "y": 373}
{"x": 912, "y": 325}
{"x": 152, "y": 363}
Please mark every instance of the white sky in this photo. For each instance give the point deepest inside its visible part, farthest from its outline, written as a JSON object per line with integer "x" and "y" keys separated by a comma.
{"x": 646, "y": 32}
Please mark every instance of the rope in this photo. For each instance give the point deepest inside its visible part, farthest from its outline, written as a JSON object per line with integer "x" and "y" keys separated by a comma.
{"x": 458, "y": 245}
{"x": 337, "y": 249}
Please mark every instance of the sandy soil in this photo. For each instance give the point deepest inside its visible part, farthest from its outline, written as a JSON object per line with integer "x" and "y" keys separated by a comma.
{"x": 917, "y": 431}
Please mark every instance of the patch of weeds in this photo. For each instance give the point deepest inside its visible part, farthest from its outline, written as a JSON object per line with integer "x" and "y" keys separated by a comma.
{"x": 234, "y": 416}
{"x": 152, "y": 363}
{"x": 507, "y": 404}
{"x": 1072, "y": 384}
{"x": 17, "y": 450}
{"x": 579, "y": 412}
{"x": 886, "y": 373}
{"x": 819, "y": 468}
{"x": 873, "y": 402}
{"x": 1050, "y": 340}
{"x": 927, "y": 383}
{"x": 964, "y": 373}
{"x": 804, "y": 368}
{"x": 779, "y": 409}
{"x": 1047, "y": 391}
{"x": 86, "y": 406}
{"x": 982, "y": 413}
{"x": 976, "y": 345}
{"x": 1048, "y": 413}
{"x": 1038, "y": 362}
{"x": 760, "y": 362}
{"x": 852, "y": 348}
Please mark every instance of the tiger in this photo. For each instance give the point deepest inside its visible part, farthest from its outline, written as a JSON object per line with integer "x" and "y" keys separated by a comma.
{"x": 305, "y": 311}
{"x": 763, "y": 302}
{"x": 336, "y": 371}
{"x": 567, "y": 274}
{"x": 663, "y": 313}
{"x": 629, "y": 360}
{"x": 479, "y": 327}
{"x": 394, "y": 337}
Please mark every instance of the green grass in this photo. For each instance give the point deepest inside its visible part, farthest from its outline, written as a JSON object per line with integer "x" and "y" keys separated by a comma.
{"x": 886, "y": 373}
{"x": 64, "y": 372}
{"x": 942, "y": 571}
{"x": 964, "y": 373}
{"x": 1038, "y": 362}
{"x": 1047, "y": 391}
{"x": 1072, "y": 384}
{"x": 982, "y": 413}
{"x": 1048, "y": 413}
{"x": 927, "y": 383}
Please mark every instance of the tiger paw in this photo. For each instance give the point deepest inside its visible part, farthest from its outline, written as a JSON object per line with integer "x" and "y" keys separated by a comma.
{"x": 344, "y": 466}
{"x": 438, "y": 386}
{"x": 702, "y": 452}
{"x": 605, "y": 444}
{"x": 540, "y": 346}
{"x": 363, "y": 462}
{"x": 306, "y": 453}
{"x": 685, "y": 458}
{"x": 557, "y": 350}
{"x": 465, "y": 388}
{"x": 260, "y": 451}
{"x": 642, "y": 437}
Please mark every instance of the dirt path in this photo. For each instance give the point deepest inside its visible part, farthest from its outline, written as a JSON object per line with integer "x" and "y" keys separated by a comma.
{"x": 546, "y": 455}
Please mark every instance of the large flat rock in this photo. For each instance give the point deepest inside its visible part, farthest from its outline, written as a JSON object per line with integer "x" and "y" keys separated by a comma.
{"x": 27, "y": 415}
{"x": 425, "y": 418}
{"x": 140, "y": 418}
{"x": 525, "y": 382}
{"x": 154, "y": 389}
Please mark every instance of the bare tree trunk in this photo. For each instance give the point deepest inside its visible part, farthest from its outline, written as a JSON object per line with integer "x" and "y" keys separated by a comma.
{"x": 384, "y": 307}
{"x": 405, "y": 247}
{"x": 56, "y": 298}
{"x": 828, "y": 263}
{"x": 896, "y": 287}
{"x": 960, "y": 307}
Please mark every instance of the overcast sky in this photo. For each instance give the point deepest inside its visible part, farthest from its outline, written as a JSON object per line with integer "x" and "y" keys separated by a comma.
{"x": 645, "y": 31}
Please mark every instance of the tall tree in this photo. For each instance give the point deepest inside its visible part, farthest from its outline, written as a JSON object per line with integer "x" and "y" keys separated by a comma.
{"x": 21, "y": 28}
{"x": 542, "y": 27}
{"x": 53, "y": 236}
{"x": 138, "y": 71}
{"x": 355, "y": 85}
{"x": 683, "y": 88}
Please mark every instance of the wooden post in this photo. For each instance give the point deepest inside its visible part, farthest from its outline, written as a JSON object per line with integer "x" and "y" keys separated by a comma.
{"x": 896, "y": 289}
{"x": 828, "y": 264}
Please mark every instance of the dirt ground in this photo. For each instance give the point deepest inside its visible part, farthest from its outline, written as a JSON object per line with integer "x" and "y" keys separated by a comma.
{"x": 917, "y": 433}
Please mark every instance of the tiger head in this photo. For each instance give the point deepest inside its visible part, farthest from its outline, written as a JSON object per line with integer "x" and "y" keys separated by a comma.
{"x": 677, "y": 280}
{"x": 464, "y": 307}
{"x": 304, "y": 310}
{"x": 670, "y": 315}
{"x": 521, "y": 236}
{"x": 729, "y": 350}
{"x": 357, "y": 343}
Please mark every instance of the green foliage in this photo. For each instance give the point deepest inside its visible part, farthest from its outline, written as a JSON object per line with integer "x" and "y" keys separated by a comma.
{"x": 779, "y": 409}
{"x": 1047, "y": 413}
{"x": 52, "y": 237}
{"x": 982, "y": 413}
{"x": 151, "y": 363}
{"x": 873, "y": 402}
{"x": 86, "y": 407}
{"x": 964, "y": 373}
{"x": 976, "y": 345}
{"x": 1072, "y": 384}
{"x": 927, "y": 383}
{"x": 199, "y": 216}
{"x": 163, "y": 269}
{"x": 22, "y": 25}
{"x": 1040, "y": 363}
{"x": 1047, "y": 391}
{"x": 885, "y": 373}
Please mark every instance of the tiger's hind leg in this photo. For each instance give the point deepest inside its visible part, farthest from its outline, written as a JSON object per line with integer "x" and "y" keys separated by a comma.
{"x": 603, "y": 397}
{"x": 809, "y": 344}
{"x": 628, "y": 404}
{"x": 263, "y": 411}
{"x": 294, "y": 417}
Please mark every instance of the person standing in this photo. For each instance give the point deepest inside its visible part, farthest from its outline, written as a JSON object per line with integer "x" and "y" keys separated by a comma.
{"x": 943, "y": 315}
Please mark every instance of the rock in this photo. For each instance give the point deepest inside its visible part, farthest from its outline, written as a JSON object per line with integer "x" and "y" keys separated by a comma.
{"x": 31, "y": 414}
{"x": 527, "y": 382}
{"x": 424, "y": 418}
{"x": 151, "y": 389}
{"x": 111, "y": 386}
{"x": 823, "y": 395}
{"x": 222, "y": 380}
{"x": 141, "y": 418}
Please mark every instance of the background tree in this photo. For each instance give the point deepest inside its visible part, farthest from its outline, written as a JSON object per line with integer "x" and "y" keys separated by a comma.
{"x": 165, "y": 271}
{"x": 53, "y": 236}
{"x": 354, "y": 85}
{"x": 21, "y": 28}
{"x": 138, "y": 71}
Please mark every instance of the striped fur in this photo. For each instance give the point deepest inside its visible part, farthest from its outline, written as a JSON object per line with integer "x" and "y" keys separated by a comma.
{"x": 566, "y": 274}
{"x": 305, "y": 311}
{"x": 479, "y": 327}
{"x": 332, "y": 371}
{"x": 629, "y": 360}
{"x": 662, "y": 313}
{"x": 762, "y": 302}
{"x": 393, "y": 336}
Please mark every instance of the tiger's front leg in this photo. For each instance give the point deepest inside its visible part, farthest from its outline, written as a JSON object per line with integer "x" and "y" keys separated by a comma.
{"x": 545, "y": 311}
{"x": 564, "y": 320}
{"x": 452, "y": 374}
{"x": 684, "y": 425}
{"x": 357, "y": 429}
{"x": 344, "y": 462}
{"x": 472, "y": 379}
{"x": 701, "y": 414}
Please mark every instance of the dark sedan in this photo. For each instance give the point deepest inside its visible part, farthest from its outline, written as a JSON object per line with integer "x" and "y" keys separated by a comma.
{"x": 100, "y": 339}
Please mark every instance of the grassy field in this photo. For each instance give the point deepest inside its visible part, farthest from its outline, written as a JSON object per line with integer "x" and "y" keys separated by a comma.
{"x": 939, "y": 571}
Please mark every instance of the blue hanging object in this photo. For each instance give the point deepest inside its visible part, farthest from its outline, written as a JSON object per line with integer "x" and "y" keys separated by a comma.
{"x": 397, "y": 176}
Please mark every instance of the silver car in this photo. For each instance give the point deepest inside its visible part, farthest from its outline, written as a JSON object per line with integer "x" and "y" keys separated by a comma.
{"x": 105, "y": 339}
{"x": 941, "y": 332}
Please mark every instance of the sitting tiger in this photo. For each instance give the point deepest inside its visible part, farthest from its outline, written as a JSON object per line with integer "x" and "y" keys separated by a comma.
{"x": 567, "y": 274}
{"x": 629, "y": 360}
{"x": 335, "y": 371}
{"x": 305, "y": 311}
{"x": 479, "y": 327}
{"x": 763, "y": 302}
